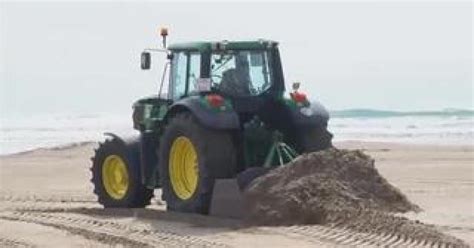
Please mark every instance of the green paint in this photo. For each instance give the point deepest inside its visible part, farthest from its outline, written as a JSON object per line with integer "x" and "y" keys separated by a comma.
{"x": 263, "y": 147}
{"x": 257, "y": 143}
{"x": 284, "y": 153}
{"x": 151, "y": 111}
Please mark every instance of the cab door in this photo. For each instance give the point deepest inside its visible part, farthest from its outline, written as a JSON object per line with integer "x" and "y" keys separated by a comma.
{"x": 185, "y": 72}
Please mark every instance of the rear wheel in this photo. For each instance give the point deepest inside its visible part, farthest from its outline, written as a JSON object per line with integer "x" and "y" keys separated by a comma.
{"x": 116, "y": 175}
{"x": 191, "y": 157}
{"x": 314, "y": 138}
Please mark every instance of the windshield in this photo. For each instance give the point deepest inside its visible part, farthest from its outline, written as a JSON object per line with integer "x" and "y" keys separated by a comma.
{"x": 241, "y": 73}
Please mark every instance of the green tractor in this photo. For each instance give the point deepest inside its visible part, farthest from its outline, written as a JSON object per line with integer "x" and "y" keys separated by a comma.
{"x": 224, "y": 118}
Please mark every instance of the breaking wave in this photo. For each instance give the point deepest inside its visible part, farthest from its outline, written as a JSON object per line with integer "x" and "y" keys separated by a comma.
{"x": 23, "y": 133}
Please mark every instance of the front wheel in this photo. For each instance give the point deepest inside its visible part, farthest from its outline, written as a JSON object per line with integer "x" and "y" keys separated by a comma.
{"x": 116, "y": 175}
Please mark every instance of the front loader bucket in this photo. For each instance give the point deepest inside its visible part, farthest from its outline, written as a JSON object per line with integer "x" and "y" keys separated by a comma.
{"x": 227, "y": 196}
{"x": 227, "y": 199}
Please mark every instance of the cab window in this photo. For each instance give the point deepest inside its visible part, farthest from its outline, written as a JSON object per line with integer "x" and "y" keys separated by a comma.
{"x": 241, "y": 73}
{"x": 194, "y": 71}
{"x": 185, "y": 72}
{"x": 178, "y": 75}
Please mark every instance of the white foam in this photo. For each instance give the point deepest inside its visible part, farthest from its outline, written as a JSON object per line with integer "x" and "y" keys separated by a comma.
{"x": 442, "y": 130}
{"x": 26, "y": 133}
{"x": 22, "y": 133}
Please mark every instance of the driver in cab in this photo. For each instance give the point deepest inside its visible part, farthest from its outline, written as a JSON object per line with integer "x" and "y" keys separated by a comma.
{"x": 236, "y": 81}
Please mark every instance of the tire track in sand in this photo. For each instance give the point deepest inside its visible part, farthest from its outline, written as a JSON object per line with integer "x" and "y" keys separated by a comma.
{"x": 9, "y": 197}
{"x": 318, "y": 234}
{"x": 347, "y": 237}
{"x": 13, "y": 243}
{"x": 109, "y": 232}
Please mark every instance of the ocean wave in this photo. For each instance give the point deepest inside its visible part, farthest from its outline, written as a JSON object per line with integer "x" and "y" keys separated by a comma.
{"x": 433, "y": 127}
{"x": 374, "y": 113}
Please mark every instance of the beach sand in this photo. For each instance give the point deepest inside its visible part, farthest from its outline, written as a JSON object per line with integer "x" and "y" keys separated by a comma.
{"x": 46, "y": 200}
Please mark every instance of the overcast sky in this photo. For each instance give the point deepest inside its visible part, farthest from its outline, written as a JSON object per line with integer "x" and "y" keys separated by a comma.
{"x": 84, "y": 57}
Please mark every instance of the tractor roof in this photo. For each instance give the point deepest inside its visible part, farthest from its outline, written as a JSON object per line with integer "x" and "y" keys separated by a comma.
{"x": 222, "y": 45}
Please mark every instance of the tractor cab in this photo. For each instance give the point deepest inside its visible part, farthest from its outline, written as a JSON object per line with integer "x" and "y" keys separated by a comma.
{"x": 244, "y": 72}
{"x": 226, "y": 84}
{"x": 240, "y": 69}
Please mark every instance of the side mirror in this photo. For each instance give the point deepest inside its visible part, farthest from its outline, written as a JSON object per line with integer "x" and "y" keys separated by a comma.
{"x": 145, "y": 61}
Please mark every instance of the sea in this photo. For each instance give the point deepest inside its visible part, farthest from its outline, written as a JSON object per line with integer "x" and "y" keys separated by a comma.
{"x": 445, "y": 127}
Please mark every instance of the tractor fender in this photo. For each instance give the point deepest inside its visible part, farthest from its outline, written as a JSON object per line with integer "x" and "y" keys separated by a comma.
{"x": 313, "y": 115}
{"x": 142, "y": 151}
{"x": 129, "y": 142}
{"x": 126, "y": 140}
{"x": 206, "y": 116}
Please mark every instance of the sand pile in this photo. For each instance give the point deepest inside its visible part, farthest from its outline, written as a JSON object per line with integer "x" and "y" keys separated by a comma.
{"x": 337, "y": 188}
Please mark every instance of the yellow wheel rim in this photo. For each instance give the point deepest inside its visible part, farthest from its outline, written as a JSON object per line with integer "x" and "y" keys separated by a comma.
{"x": 115, "y": 177}
{"x": 183, "y": 168}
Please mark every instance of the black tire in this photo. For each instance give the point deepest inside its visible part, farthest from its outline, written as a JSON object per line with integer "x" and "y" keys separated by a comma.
{"x": 314, "y": 139}
{"x": 216, "y": 158}
{"x": 136, "y": 195}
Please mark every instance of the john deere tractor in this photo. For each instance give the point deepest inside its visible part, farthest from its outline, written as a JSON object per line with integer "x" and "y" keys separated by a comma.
{"x": 224, "y": 116}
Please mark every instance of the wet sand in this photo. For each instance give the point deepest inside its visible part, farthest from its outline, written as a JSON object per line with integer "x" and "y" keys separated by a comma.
{"x": 46, "y": 200}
